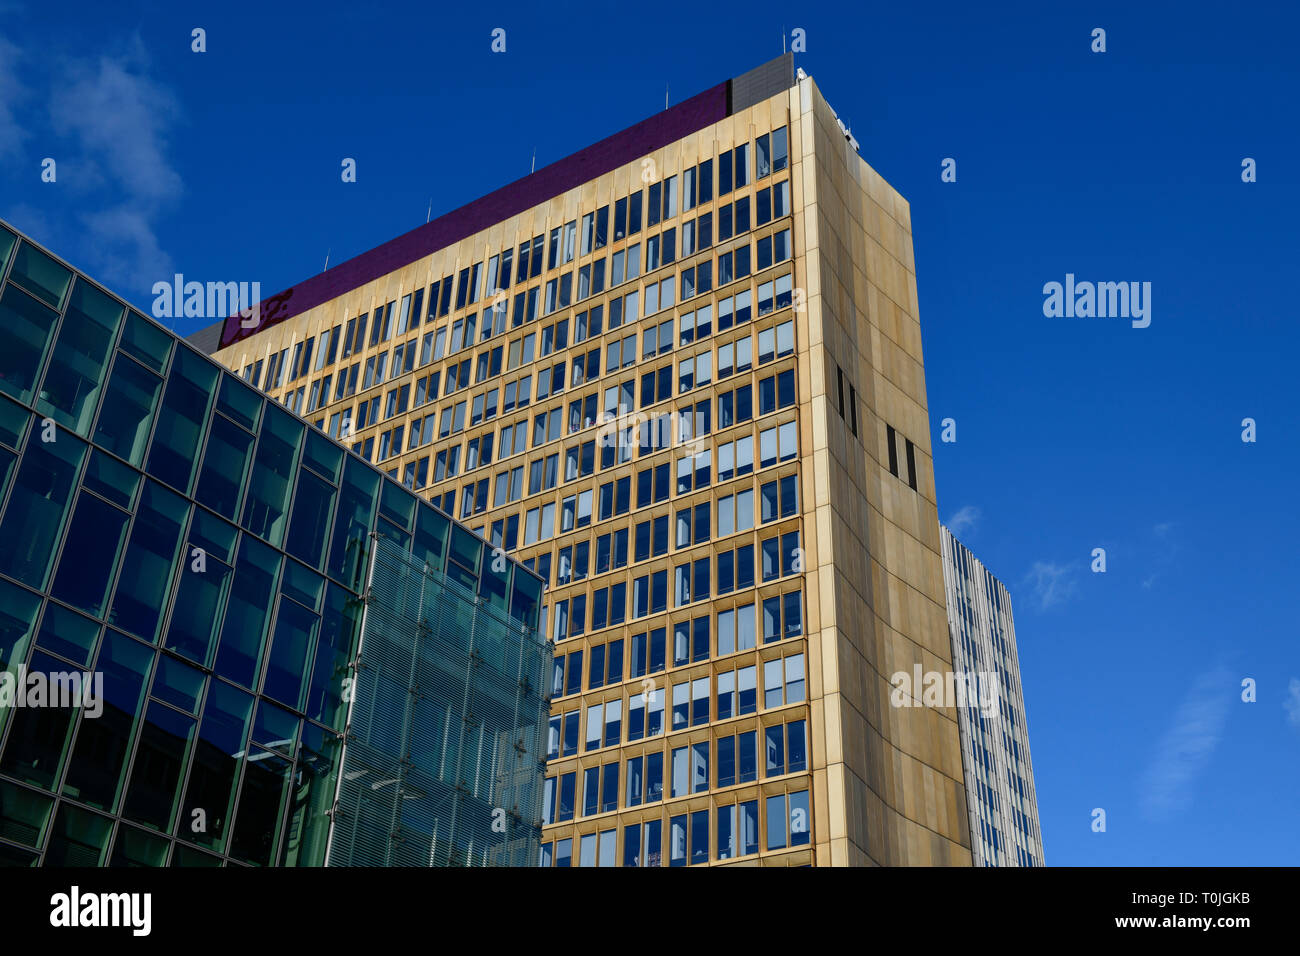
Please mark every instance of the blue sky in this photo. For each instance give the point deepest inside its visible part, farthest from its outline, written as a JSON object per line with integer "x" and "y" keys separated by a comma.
{"x": 1072, "y": 434}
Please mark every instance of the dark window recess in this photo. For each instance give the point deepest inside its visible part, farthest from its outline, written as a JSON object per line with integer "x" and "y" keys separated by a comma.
{"x": 893, "y": 450}
{"x": 839, "y": 381}
{"x": 853, "y": 409}
{"x": 911, "y": 464}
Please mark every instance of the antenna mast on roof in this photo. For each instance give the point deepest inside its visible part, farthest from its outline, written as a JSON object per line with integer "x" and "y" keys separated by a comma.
{"x": 533, "y": 167}
{"x": 783, "y": 40}
{"x": 430, "y": 212}
{"x": 327, "y": 260}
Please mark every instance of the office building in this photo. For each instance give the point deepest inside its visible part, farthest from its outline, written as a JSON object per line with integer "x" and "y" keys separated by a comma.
{"x": 994, "y": 737}
{"x": 679, "y": 375}
{"x": 199, "y": 592}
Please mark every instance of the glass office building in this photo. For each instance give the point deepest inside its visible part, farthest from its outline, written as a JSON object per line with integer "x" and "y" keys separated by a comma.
{"x": 679, "y": 375}
{"x": 994, "y": 740}
{"x": 188, "y": 577}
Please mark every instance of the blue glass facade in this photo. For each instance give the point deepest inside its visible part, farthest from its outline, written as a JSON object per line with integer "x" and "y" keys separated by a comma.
{"x": 195, "y": 559}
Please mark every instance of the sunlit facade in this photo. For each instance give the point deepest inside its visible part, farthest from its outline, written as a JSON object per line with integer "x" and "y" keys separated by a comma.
{"x": 679, "y": 376}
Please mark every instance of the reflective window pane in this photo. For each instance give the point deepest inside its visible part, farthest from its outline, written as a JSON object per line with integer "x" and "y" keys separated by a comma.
{"x": 76, "y": 370}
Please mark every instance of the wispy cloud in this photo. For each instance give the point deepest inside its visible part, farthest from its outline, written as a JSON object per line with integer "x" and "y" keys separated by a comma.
{"x": 1162, "y": 559}
{"x": 127, "y": 246}
{"x": 963, "y": 520}
{"x": 12, "y": 93}
{"x": 120, "y": 119}
{"x": 1292, "y": 703}
{"x": 110, "y": 125}
{"x": 1187, "y": 745}
{"x": 1052, "y": 583}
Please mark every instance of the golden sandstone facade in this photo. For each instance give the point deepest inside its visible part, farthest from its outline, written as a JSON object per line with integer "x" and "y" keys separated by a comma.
{"x": 721, "y": 466}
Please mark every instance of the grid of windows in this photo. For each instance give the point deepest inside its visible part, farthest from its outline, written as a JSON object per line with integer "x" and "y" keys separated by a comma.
{"x": 614, "y": 400}
{"x": 1001, "y": 799}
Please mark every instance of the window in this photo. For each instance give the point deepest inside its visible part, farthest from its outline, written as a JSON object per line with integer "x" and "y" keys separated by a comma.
{"x": 783, "y": 681}
{"x": 700, "y": 688}
{"x": 762, "y": 156}
{"x": 634, "y": 213}
{"x": 746, "y": 690}
{"x": 736, "y": 628}
{"x": 564, "y": 810}
{"x": 635, "y": 782}
{"x": 679, "y": 778}
{"x": 737, "y": 695}
{"x": 790, "y": 828}
{"x": 781, "y": 246}
{"x": 796, "y": 746}
{"x": 776, "y": 822}
{"x": 774, "y": 750}
{"x": 699, "y": 779}
{"x": 780, "y": 148}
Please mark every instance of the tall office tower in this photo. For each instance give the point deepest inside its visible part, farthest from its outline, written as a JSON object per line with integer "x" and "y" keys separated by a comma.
{"x": 679, "y": 375}
{"x": 199, "y": 591}
{"x": 994, "y": 738}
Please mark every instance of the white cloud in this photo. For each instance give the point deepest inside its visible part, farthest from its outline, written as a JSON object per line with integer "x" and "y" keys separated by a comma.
{"x": 110, "y": 126}
{"x": 963, "y": 520}
{"x": 1051, "y": 582}
{"x": 1292, "y": 703}
{"x": 1187, "y": 745}
{"x": 120, "y": 118}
